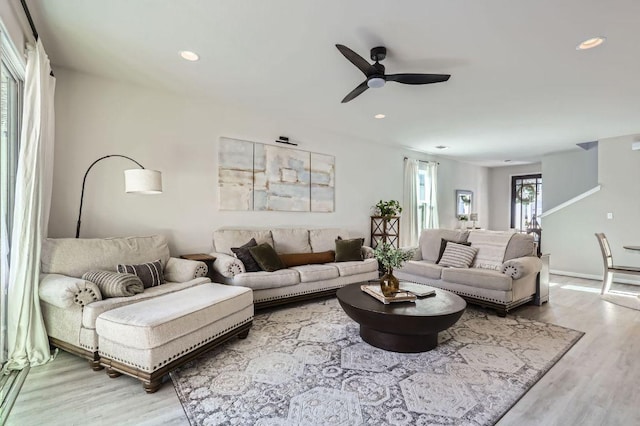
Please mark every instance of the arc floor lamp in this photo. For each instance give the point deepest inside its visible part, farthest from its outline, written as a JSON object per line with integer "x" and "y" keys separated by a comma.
{"x": 137, "y": 181}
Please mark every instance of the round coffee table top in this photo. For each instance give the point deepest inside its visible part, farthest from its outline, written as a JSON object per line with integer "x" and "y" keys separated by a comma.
{"x": 401, "y": 326}
{"x": 442, "y": 304}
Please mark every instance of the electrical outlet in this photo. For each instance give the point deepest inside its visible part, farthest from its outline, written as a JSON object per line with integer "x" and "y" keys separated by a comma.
{"x": 609, "y": 215}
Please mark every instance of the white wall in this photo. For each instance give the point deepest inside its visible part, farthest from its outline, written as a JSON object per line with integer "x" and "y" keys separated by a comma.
{"x": 14, "y": 20}
{"x": 568, "y": 235}
{"x": 179, "y": 136}
{"x": 500, "y": 192}
{"x": 568, "y": 174}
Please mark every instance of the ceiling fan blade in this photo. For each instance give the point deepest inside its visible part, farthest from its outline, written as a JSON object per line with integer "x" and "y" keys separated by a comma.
{"x": 355, "y": 92}
{"x": 417, "y": 78}
{"x": 356, "y": 60}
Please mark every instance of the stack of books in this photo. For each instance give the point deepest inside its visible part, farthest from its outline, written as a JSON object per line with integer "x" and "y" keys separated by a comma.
{"x": 375, "y": 291}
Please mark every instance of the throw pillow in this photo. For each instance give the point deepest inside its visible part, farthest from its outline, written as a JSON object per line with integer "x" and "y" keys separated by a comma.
{"x": 443, "y": 245}
{"x": 114, "y": 284}
{"x": 297, "y": 259}
{"x": 266, "y": 257}
{"x": 458, "y": 255}
{"x": 349, "y": 250}
{"x": 150, "y": 273}
{"x": 242, "y": 253}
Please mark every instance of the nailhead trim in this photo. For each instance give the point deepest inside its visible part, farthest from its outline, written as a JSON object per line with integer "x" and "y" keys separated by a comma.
{"x": 177, "y": 355}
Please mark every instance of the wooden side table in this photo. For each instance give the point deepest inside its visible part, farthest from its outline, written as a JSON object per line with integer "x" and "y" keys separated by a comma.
{"x": 202, "y": 257}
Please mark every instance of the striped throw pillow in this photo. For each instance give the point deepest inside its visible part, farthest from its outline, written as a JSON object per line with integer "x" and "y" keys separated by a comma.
{"x": 150, "y": 273}
{"x": 458, "y": 255}
{"x": 113, "y": 284}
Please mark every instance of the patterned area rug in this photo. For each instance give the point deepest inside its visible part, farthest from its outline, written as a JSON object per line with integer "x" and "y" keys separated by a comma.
{"x": 307, "y": 365}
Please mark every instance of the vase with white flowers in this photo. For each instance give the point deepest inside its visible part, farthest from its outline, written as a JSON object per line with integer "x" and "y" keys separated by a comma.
{"x": 391, "y": 258}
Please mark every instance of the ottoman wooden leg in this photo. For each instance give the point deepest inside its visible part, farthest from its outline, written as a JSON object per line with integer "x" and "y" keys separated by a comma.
{"x": 152, "y": 386}
{"x": 95, "y": 365}
{"x": 244, "y": 334}
{"x": 113, "y": 373}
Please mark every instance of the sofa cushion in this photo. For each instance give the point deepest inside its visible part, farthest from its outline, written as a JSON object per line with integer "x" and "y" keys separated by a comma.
{"x": 291, "y": 240}
{"x": 75, "y": 256}
{"x": 244, "y": 255}
{"x": 224, "y": 239}
{"x": 150, "y": 273}
{"x": 115, "y": 284}
{"x": 422, "y": 268}
{"x": 261, "y": 280}
{"x": 325, "y": 239}
{"x": 475, "y": 277}
{"x": 491, "y": 247}
{"x": 520, "y": 245}
{"x": 430, "y": 241}
{"x": 311, "y": 273}
{"x": 458, "y": 255}
{"x": 357, "y": 267}
{"x": 349, "y": 250}
{"x": 297, "y": 259}
{"x": 266, "y": 257}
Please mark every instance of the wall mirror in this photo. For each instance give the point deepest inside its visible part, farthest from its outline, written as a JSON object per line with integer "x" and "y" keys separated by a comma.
{"x": 464, "y": 202}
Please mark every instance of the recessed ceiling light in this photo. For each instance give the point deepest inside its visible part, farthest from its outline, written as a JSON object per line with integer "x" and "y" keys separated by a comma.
{"x": 507, "y": 161}
{"x": 591, "y": 43}
{"x": 379, "y": 116}
{"x": 441, "y": 147}
{"x": 189, "y": 55}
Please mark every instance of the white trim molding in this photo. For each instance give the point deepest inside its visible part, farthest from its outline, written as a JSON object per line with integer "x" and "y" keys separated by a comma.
{"x": 571, "y": 201}
{"x": 593, "y": 277}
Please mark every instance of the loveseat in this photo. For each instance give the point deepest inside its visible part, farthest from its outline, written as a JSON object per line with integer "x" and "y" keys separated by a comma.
{"x": 502, "y": 274}
{"x": 309, "y": 272}
{"x": 71, "y": 305}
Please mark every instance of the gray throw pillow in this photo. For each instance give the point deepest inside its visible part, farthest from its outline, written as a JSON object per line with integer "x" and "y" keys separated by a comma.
{"x": 458, "y": 255}
{"x": 243, "y": 254}
{"x": 349, "y": 250}
{"x": 266, "y": 257}
{"x": 150, "y": 273}
{"x": 443, "y": 245}
{"x": 114, "y": 284}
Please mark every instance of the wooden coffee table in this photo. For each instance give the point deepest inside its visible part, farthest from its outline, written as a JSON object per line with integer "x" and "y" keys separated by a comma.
{"x": 401, "y": 326}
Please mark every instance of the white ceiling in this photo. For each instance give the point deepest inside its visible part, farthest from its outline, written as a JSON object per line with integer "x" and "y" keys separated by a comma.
{"x": 519, "y": 88}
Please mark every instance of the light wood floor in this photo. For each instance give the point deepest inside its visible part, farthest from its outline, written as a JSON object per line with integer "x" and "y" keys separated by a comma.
{"x": 596, "y": 383}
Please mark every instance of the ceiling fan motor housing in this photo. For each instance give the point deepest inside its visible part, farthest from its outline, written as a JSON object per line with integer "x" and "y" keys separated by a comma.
{"x": 378, "y": 53}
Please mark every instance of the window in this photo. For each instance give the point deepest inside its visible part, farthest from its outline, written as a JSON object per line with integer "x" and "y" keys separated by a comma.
{"x": 427, "y": 208}
{"x": 11, "y": 91}
{"x": 526, "y": 205}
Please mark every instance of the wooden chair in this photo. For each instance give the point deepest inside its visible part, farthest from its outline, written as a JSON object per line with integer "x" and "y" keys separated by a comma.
{"x": 609, "y": 267}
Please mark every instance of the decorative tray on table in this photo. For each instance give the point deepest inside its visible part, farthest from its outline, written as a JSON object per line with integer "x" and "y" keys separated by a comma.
{"x": 375, "y": 291}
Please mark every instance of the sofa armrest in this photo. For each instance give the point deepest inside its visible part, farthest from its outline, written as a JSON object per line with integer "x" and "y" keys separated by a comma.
{"x": 367, "y": 252}
{"x": 521, "y": 266}
{"x": 227, "y": 266}
{"x": 63, "y": 291}
{"x": 183, "y": 270}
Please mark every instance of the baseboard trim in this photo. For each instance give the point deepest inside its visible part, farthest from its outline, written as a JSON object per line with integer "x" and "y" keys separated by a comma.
{"x": 10, "y": 391}
{"x": 593, "y": 277}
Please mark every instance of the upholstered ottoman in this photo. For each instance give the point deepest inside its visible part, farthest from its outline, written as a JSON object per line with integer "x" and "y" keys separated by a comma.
{"x": 148, "y": 339}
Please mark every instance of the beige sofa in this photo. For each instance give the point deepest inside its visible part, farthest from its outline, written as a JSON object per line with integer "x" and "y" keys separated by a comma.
{"x": 296, "y": 282}
{"x": 503, "y": 276}
{"x": 71, "y": 305}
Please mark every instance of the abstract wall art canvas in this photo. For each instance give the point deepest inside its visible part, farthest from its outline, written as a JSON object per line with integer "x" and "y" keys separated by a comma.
{"x": 256, "y": 176}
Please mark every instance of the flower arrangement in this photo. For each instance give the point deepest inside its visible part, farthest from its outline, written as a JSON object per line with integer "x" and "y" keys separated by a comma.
{"x": 388, "y": 208}
{"x": 390, "y": 257}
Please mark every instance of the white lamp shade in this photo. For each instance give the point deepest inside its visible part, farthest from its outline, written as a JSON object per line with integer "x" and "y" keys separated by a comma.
{"x": 143, "y": 181}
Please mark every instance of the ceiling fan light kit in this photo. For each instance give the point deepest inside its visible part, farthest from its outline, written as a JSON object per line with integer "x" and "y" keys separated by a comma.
{"x": 376, "y": 77}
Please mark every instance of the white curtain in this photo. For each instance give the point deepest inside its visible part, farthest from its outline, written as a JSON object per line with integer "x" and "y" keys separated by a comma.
{"x": 27, "y": 337}
{"x": 409, "y": 227}
{"x": 430, "y": 170}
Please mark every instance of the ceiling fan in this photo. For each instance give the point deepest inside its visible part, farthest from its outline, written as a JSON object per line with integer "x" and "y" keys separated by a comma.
{"x": 375, "y": 72}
